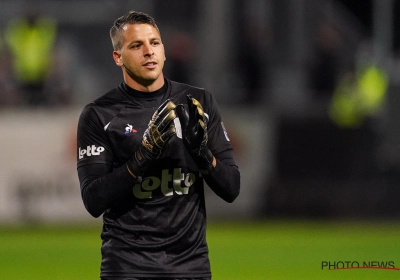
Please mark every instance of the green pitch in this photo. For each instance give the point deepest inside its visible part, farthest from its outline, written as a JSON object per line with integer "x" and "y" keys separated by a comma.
{"x": 264, "y": 250}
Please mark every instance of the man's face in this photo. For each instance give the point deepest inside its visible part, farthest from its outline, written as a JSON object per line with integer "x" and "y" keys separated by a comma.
{"x": 141, "y": 56}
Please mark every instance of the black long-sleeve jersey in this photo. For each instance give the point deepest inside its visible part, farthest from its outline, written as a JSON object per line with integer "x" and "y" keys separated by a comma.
{"x": 155, "y": 227}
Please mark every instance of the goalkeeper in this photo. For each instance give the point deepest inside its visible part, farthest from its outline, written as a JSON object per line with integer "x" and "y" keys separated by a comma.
{"x": 145, "y": 149}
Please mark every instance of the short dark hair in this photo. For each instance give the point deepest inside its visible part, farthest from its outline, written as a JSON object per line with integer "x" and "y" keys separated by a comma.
{"x": 132, "y": 17}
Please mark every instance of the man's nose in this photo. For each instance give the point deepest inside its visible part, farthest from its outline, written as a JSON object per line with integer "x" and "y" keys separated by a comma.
{"x": 148, "y": 49}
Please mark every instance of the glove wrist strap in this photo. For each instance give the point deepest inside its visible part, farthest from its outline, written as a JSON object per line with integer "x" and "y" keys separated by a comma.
{"x": 139, "y": 163}
{"x": 204, "y": 159}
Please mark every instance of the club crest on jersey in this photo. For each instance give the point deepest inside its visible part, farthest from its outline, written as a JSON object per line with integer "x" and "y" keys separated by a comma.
{"x": 129, "y": 129}
{"x": 90, "y": 151}
{"x": 225, "y": 132}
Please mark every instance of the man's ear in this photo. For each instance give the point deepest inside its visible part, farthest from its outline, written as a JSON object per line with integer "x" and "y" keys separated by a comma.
{"x": 165, "y": 55}
{"x": 117, "y": 58}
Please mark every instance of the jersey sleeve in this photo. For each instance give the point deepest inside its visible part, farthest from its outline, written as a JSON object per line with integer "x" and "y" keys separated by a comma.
{"x": 92, "y": 143}
{"x": 224, "y": 179}
{"x": 217, "y": 134}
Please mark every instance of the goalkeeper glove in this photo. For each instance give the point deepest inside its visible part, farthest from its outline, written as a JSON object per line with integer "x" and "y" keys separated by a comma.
{"x": 160, "y": 129}
{"x": 194, "y": 133}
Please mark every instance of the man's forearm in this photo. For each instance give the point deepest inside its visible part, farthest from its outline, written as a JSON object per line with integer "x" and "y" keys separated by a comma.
{"x": 224, "y": 180}
{"x": 100, "y": 191}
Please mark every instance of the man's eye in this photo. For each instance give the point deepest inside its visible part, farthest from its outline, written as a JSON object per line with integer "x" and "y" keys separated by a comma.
{"x": 136, "y": 46}
{"x": 156, "y": 43}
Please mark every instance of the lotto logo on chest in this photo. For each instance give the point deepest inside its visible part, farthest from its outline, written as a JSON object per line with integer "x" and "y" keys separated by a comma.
{"x": 169, "y": 183}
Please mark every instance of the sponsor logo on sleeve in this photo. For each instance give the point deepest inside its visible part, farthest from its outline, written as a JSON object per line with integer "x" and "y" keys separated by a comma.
{"x": 90, "y": 151}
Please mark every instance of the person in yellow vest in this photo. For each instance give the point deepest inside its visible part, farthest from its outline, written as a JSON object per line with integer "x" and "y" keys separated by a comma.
{"x": 358, "y": 96}
{"x": 30, "y": 41}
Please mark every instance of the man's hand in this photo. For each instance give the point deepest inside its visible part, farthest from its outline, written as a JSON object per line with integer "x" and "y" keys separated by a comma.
{"x": 158, "y": 132}
{"x": 194, "y": 133}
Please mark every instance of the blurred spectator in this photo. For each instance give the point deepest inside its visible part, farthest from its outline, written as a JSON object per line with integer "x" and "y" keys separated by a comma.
{"x": 252, "y": 45}
{"x": 30, "y": 41}
{"x": 324, "y": 68}
{"x": 8, "y": 92}
{"x": 359, "y": 96}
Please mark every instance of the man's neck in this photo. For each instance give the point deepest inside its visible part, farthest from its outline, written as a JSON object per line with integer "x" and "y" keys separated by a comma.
{"x": 143, "y": 86}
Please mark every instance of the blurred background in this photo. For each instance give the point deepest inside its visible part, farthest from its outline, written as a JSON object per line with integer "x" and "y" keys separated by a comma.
{"x": 308, "y": 90}
{"x": 309, "y": 94}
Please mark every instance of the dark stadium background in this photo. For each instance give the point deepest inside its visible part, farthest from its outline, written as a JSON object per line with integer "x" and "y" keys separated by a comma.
{"x": 312, "y": 190}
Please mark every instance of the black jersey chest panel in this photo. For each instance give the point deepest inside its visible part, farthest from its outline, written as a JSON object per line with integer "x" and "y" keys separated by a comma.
{"x": 125, "y": 132}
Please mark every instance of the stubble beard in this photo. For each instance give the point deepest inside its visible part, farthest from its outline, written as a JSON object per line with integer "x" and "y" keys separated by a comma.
{"x": 140, "y": 80}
